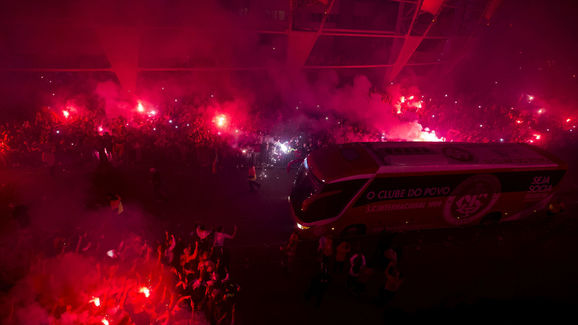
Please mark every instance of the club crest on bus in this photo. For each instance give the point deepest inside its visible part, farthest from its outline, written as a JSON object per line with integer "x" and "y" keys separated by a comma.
{"x": 469, "y": 204}
{"x": 472, "y": 199}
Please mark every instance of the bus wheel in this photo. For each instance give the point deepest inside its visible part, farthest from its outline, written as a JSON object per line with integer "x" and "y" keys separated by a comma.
{"x": 491, "y": 218}
{"x": 353, "y": 231}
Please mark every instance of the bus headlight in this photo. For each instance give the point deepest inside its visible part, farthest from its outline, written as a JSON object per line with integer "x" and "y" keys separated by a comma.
{"x": 302, "y": 227}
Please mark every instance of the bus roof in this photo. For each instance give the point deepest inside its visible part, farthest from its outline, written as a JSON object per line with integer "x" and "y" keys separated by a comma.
{"x": 364, "y": 160}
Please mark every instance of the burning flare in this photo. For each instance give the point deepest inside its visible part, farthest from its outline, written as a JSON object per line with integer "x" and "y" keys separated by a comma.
{"x": 145, "y": 291}
{"x": 95, "y": 301}
{"x": 221, "y": 120}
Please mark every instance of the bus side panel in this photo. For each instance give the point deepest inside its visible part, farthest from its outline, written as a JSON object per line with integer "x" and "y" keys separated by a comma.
{"x": 459, "y": 199}
{"x": 399, "y": 214}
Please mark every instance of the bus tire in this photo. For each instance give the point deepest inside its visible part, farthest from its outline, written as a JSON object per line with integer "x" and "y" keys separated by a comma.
{"x": 491, "y": 218}
{"x": 354, "y": 231}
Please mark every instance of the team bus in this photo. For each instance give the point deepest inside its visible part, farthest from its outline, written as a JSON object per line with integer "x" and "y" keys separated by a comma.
{"x": 357, "y": 188}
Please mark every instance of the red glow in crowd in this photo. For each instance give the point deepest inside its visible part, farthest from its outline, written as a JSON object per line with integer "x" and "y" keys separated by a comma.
{"x": 221, "y": 121}
{"x": 145, "y": 291}
{"x": 95, "y": 301}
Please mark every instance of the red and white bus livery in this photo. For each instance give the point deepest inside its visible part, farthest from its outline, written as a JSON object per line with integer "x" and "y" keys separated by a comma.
{"x": 397, "y": 186}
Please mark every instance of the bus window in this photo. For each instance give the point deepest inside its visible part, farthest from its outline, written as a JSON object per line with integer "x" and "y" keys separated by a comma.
{"x": 305, "y": 186}
{"x": 314, "y": 201}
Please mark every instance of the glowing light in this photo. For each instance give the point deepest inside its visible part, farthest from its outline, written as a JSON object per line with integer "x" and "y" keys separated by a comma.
{"x": 171, "y": 121}
{"x": 568, "y": 120}
{"x": 541, "y": 110}
{"x": 537, "y": 136}
{"x": 105, "y": 321}
{"x": 153, "y": 112}
{"x": 398, "y": 111}
{"x": 244, "y": 151}
{"x": 57, "y": 131}
{"x": 427, "y": 135}
{"x": 284, "y": 147}
{"x": 140, "y": 108}
{"x": 481, "y": 125}
{"x": 100, "y": 129}
{"x": 145, "y": 291}
{"x": 95, "y": 301}
{"x": 302, "y": 227}
{"x": 110, "y": 253}
{"x": 446, "y": 95}
{"x": 519, "y": 121}
{"x": 402, "y": 99}
{"x": 221, "y": 120}
{"x": 530, "y": 98}
{"x": 66, "y": 113}
{"x": 501, "y": 140}
{"x": 411, "y": 97}
{"x": 237, "y": 131}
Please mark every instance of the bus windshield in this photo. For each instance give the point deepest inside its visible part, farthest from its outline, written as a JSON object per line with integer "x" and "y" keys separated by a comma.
{"x": 312, "y": 200}
{"x": 306, "y": 185}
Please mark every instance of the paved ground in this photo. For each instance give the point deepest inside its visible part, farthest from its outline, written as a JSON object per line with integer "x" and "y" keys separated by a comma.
{"x": 505, "y": 273}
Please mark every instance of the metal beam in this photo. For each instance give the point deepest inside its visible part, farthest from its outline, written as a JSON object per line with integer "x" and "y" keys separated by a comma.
{"x": 352, "y": 33}
{"x": 411, "y": 43}
{"x": 364, "y": 66}
{"x": 301, "y": 43}
{"x": 193, "y": 69}
{"x": 56, "y": 69}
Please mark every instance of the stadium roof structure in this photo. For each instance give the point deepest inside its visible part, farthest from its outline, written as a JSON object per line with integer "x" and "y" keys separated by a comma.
{"x": 130, "y": 38}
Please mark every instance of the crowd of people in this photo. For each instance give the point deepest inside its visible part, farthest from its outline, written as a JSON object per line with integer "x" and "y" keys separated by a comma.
{"x": 190, "y": 135}
{"x": 81, "y": 278}
{"x": 523, "y": 121}
{"x": 344, "y": 260}
{"x": 183, "y": 275}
